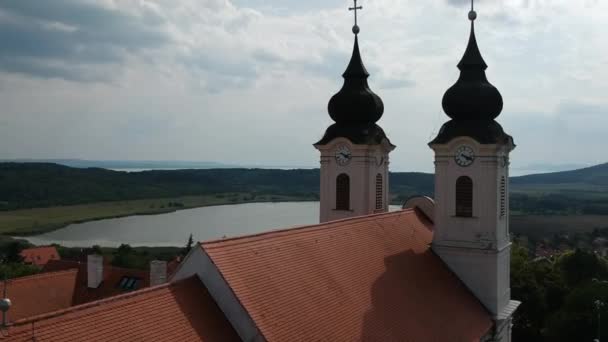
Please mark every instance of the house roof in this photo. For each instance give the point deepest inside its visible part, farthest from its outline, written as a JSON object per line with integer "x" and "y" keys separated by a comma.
{"x": 179, "y": 311}
{"x": 40, "y": 293}
{"x": 110, "y": 286}
{"x": 371, "y": 278}
{"x": 39, "y": 255}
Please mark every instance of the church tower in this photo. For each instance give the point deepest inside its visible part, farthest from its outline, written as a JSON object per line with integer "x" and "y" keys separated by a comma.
{"x": 354, "y": 150}
{"x": 472, "y": 188}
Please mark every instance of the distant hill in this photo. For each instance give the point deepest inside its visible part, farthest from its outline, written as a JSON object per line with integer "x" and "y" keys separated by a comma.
{"x": 126, "y": 164}
{"x": 27, "y": 185}
{"x": 594, "y": 175}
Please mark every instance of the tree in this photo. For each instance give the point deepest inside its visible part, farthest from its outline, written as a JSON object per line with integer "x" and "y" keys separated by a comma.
{"x": 12, "y": 252}
{"x": 525, "y": 287}
{"x": 580, "y": 266}
{"x": 96, "y": 249}
{"x": 577, "y": 320}
{"x": 188, "y": 245}
{"x": 125, "y": 256}
{"x": 15, "y": 270}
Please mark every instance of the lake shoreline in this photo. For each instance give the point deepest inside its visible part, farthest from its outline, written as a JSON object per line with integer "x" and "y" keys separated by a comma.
{"x": 222, "y": 217}
{"x": 204, "y": 224}
{"x": 40, "y": 226}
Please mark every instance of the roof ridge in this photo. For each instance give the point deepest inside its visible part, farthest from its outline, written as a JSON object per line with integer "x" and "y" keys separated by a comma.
{"x": 41, "y": 275}
{"x": 95, "y": 303}
{"x": 323, "y": 225}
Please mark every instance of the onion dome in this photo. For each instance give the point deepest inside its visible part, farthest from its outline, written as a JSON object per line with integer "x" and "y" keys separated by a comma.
{"x": 472, "y": 97}
{"x": 355, "y": 103}
{"x": 472, "y": 102}
{"x": 355, "y": 108}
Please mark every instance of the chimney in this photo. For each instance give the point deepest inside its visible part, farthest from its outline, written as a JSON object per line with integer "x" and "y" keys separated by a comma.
{"x": 94, "y": 270}
{"x": 158, "y": 272}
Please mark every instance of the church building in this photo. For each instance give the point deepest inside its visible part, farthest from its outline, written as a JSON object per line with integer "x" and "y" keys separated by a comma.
{"x": 436, "y": 270}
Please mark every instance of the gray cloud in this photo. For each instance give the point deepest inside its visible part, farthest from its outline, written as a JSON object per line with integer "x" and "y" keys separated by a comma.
{"x": 394, "y": 83}
{"x": 459, "y": 3}
{"x": 580, "y": 109}
{"x": 45, "y": 69}
{"x": 65, "y": 37}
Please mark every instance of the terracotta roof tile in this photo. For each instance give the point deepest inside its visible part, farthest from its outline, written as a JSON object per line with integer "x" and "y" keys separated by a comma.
{"x": 39, "y": 256}
{"x": 109, "y": 286}
{"x": 40, "y": 293}
{"x": 180, "y": 311}
{"x": 372, "y": 278}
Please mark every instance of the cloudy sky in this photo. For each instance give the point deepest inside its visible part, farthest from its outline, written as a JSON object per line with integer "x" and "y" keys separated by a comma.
{"x": 247, "y": 81}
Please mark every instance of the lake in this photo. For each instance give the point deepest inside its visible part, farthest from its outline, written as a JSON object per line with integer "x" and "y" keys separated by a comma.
{"x": 173, "y": 229}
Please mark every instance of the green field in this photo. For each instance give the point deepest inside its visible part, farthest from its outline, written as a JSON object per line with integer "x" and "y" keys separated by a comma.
{"x": 572, "y": 189}
{"x": 39, "y": 220}
{"x": 539, "y": 226}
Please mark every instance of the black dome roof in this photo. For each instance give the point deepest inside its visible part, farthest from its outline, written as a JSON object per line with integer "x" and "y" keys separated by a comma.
{"x": 360, "y": 134}
{"x": 472, "y": 97}
{"x": 355, "y": 103}
{"x": 482, "y": 131}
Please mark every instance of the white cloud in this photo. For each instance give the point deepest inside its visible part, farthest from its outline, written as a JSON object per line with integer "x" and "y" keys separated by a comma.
{"x": 217, "y": 80}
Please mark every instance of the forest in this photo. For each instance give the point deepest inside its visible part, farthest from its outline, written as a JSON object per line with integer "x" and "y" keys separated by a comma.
{"x": 563, "y": 297}
{"x": 35, "y": 185}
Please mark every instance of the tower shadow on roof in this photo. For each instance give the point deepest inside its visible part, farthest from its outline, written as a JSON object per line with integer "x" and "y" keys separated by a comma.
{"x": 418, "y": 299}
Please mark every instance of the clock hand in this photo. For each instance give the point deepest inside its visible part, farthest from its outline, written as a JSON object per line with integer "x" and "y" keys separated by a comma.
{"x": 467, "y": 157}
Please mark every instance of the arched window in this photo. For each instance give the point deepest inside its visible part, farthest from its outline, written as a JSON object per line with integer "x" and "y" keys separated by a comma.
{"x": 379, "y": 204}
{"x": 464, "y": 197}
{"x": 343, "y": 192}
{"x": 503, "y": 197}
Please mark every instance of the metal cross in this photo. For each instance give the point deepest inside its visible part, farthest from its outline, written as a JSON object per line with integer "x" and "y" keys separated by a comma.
{"x": 472, "y": 7}
{"x": 355, "y": 8}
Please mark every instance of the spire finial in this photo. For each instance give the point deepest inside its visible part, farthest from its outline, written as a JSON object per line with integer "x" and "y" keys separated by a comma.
{"x": 355, "y": 8}
{"x": 472, "y": 97}
{"x": 472, "y": 13}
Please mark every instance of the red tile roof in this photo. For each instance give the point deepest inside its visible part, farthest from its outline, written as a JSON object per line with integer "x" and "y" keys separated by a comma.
{"x": 39, "y": 256}
{"x": 372, "y": 278}
{"x": 180, "y": 311}
{"x": 40, "y": 293}
{"x": 109, "y": 286}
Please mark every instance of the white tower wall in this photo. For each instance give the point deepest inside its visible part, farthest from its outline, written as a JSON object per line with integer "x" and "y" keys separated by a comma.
{"x": 476, "y": 248}
{"x": 366, "y": 163}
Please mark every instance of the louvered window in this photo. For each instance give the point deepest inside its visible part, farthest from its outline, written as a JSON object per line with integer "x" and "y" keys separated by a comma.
{"x": 343, "y": 192}
{"x": 464, "y": 197}
{"x": 379, "y": 204}
{"x": 503, "y": 197}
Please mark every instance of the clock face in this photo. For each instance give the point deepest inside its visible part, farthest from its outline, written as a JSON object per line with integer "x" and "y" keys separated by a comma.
{"x": 464, "y": 155}
{"x": 343, "y": 155}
